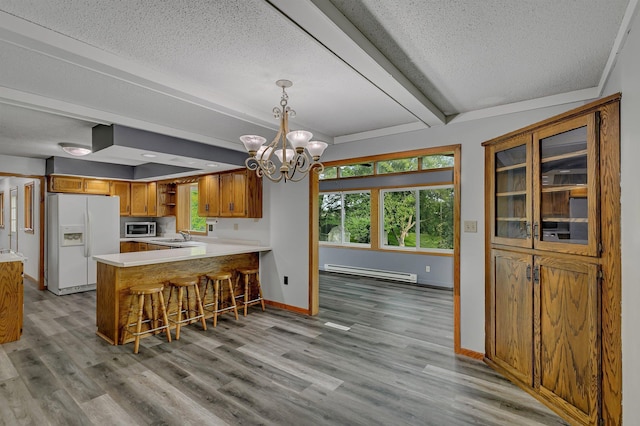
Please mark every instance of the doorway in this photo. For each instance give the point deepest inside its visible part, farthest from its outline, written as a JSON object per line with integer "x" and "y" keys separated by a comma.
{"x": 355, "y": 167}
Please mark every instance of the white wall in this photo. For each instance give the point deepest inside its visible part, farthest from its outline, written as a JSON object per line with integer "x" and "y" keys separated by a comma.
{"x": 22, "y": 165}
{"x": 625, "y": 79}
{"x": 28, "y": 243}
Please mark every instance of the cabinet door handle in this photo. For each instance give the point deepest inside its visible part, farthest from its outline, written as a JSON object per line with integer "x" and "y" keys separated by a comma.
{"x": 535, "y": 230}
{"x": 528, "y": 272}
{"x": 527, "y": 227}
{"x": 536, "y": 274}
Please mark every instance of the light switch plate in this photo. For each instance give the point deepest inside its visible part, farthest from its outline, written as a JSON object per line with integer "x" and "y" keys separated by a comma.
{"x": 470, "y": 226}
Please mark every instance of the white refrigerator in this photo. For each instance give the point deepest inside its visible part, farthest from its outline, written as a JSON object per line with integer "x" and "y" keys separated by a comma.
{"x": 79, "y": 227}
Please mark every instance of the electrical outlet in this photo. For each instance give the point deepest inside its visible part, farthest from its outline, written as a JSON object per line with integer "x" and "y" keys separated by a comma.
{"x": 211, "y": 227}
{"x": 235, "y": 226}
{"x": 286, "y": 280}
{"x": 470, "y": 226}
{"x": 427, "y": 268}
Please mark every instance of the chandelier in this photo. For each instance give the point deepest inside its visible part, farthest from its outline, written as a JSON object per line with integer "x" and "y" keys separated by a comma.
{"x": 295, "y": 159}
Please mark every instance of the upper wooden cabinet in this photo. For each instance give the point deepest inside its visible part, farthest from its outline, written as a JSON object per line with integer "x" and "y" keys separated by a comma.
{"x": 545, "y": 188}
{"x": 123, "y": 191}
{"x": 209, "y": 196}
{"x": 78, "y": 185}
{"x": 240, "y": 194}
{"x": 232, "y": 194}
{"x": 152, "y": 199}
{"x": 140, "y": 199}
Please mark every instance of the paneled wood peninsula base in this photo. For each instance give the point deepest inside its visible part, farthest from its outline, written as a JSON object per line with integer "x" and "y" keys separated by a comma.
{"x": 112, "y": 290}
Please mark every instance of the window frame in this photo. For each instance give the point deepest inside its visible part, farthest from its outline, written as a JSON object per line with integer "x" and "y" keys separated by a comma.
{"x": 28, "y": 207}
{"x": 183, "y": 210}
{"x": 416, "y": 189}
{"x": 2, "y": 222}
{"x": 342, "y": 217}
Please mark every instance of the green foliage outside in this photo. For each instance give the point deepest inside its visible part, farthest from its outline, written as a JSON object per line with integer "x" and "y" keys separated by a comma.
{"x": 357, "y": 221}
{"x": 198, "y": 224}
{"x": 407, "y": 213}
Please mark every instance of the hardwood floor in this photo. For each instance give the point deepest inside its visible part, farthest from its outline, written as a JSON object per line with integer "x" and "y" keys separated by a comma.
{"x": 394, "y": 366}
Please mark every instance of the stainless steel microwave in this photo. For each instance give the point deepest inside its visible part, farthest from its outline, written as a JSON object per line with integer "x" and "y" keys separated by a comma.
{"x": 139, "y": 229}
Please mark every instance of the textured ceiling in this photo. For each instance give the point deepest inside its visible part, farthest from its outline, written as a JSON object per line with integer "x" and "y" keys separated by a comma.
{"x": 205, "y": 70}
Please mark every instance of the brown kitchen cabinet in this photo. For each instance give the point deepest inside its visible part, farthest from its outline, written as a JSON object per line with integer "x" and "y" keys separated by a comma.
{"x": 11, "y": 301}
{"x": 78, "y": 185}
{"x": 143, "y": 199}
{"x": 240, "y": 194}
{"x": 553, "y": 275}
{"x": 122, "y": 190}
{"x": 209, "y": 196}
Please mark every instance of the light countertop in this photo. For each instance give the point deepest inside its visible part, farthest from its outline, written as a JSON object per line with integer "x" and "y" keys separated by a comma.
{"x": 12, "y": 257}
{"x": 139, "y": 258}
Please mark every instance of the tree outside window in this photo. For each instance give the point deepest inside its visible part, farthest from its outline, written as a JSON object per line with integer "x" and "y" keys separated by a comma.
{"x": 345, "y": 217}
{"x": 196, "y": 223}
{"x": 420, "y": 218}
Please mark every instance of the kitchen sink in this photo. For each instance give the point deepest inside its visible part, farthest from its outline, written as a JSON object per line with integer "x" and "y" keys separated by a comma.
{"x": 170, "y": 240}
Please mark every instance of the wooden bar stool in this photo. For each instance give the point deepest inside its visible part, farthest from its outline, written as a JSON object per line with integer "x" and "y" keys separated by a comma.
{"x": 216, "y": 282}
{"x": 156, "y": 300}
{"x": 250, "y": 291}
{"x": 191, "y": 311}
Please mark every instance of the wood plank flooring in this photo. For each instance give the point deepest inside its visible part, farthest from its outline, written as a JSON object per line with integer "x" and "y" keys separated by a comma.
{"x": 394, "y": 366}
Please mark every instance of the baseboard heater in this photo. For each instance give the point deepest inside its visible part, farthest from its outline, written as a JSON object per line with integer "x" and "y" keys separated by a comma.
{"x": 373, "y": 273}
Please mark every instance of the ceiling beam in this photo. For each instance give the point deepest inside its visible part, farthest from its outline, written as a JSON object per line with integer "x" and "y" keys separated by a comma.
{"x": 322, "y": 21}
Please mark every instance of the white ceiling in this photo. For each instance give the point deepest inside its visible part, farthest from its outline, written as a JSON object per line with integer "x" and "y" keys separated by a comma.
{"x": 205, "y": 70}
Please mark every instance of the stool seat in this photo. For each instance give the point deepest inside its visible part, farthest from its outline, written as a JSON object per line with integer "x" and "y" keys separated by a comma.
{"x": 219, "y": 276}
{"x": 216, "y": 282}
{"x": 156, "y": 300}
{"x": 146, "y": 289}
{"x": 254, "y": 291}
{"x": 191, "y": 312}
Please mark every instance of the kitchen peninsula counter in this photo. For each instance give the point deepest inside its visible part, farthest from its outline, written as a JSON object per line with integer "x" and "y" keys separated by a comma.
{"x": 118, "y": 272}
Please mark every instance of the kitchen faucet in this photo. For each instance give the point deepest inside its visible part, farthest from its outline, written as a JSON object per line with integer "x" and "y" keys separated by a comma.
{"x": 186, "y": 235}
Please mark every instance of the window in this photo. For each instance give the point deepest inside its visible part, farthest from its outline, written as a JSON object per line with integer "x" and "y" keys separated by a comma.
{"x": 397, "y": 166}
{"x": 196, "y": 223}
{"x": 28, "y": 207}
{"x": 187, "y": 217}
{"x": 329, "y": 173}
{"x": 420, "y": 218}
{"x": 438, "y": 161}
{"x": 345, "y": 217}
{"x": 352, "y": 170}
{"x": 2, "y": 209}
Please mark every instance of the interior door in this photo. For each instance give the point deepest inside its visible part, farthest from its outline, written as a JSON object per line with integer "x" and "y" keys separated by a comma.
{"x": 13, "y": 219}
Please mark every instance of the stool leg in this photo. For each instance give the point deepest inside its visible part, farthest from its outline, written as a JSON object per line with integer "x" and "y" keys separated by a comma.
{"x": 246, "y": 294}
{"x": 200, "y": 309}
{"x": 165, "y": 320}
{"x": 180, "y": 295}
{"x": 136, "y": 345}
{"x": 233, "y": 297}
{"x": 260, "y": 290}
{"x": 216, "y": 292}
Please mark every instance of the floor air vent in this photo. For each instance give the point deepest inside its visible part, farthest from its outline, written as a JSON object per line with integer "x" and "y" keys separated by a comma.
{"x": 373, "y": 273}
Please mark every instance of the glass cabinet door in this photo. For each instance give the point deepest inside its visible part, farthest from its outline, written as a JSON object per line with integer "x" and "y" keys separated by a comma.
{"x": 512, "y": 192}
{"x": 566, "y": 187}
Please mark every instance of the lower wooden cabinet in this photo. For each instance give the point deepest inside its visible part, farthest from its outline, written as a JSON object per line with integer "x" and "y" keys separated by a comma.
{"x": 11, "y": 301}
{"x": 513, "y": 310}
{"x": 567, "y": 341}
{"x": 545, "y": 328}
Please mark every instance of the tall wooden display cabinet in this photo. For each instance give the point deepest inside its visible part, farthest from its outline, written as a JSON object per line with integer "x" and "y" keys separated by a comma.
{"x": 552, "y": 198}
